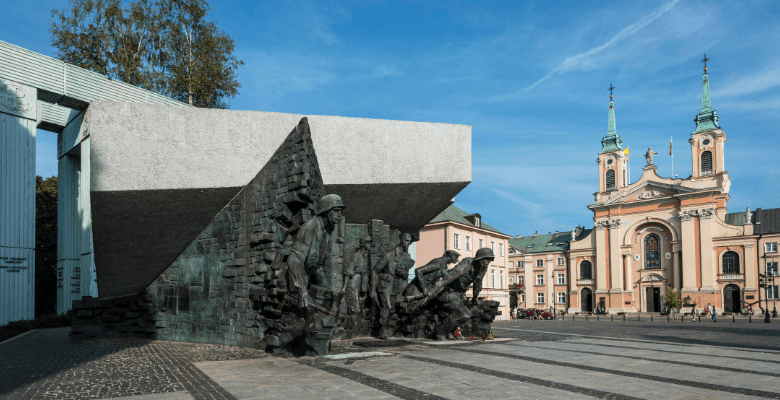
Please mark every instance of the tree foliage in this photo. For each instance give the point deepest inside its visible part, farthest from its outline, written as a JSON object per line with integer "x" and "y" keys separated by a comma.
{"x": 672, "y": 298}
{"x": 165, "y": 46}
{"x": 45, "y": 246}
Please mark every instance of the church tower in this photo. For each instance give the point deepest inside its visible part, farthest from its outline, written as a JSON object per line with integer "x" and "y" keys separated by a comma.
{"x": 707, "y": 141}
{"x": 612, "y": 161}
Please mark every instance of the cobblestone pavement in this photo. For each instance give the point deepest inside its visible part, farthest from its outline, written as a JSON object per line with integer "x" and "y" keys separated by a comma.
{"x": 528, "y": 360}
{"x": 48, "y": 364}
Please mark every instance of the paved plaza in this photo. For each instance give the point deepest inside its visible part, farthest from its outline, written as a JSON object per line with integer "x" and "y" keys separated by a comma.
{"x": 528, "y": 360}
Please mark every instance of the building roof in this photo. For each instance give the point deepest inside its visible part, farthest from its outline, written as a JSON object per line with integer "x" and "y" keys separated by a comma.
{"x": 766, "y": 221}
{"x": 738, "y": 218}
{"x": 546, "y": 242}
{"x": 455, "y": 214}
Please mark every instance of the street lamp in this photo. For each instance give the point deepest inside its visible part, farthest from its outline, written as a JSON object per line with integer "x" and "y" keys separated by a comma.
{"x": 762, "y": 281}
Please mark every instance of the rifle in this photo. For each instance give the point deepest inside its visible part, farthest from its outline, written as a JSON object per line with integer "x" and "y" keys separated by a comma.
{"x": 293, "y": 299}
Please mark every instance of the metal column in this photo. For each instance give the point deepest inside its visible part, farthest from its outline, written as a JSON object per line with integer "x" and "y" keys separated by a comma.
{"x": 18, "y": 115}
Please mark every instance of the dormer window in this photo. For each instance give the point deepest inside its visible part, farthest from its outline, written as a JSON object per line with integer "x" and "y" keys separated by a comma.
{"x": 476, "y": 222}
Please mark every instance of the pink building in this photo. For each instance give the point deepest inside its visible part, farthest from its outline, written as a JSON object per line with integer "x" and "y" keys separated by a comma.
{"x": 454, "y": 229}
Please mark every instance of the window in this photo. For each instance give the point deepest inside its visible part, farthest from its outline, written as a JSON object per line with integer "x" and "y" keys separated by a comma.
{"x": 540, "y": 298}
{"x": 480, "y": 244}
{"x": 493, "y": 246}
{"x": 706, "y": 163}
{"x": 652, "y": 251}
{"x": 539, "y": 279}
{"x": 771, "y": 268}
{"x": 520, "y": 280}
{"x": 520, "y": 264}
{"x": 610, "y": 180}
{"x": 522, "y": 298}
{"x": 586, "y": 270}
{"x": 511, "y": 280}
{"x": 770, "y": 247}
{"x": 457, "y": 245}
{"x": 561, "y": 279}
{"x": 561, "y": 297}
{"x": 501, "y": 249}
{"x": 560, "y": 261}
{"x": 730, "y": 263}
{"x": 771, "y": 292}
{"x": 539, "y": 263}
{"x": 476, "y": 222}
{"x": 468, "y": 243}
{"x": 501, "y": 278}
{"x": 492, "y": 278}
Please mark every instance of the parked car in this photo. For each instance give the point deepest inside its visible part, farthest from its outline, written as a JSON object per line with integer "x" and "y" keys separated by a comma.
{"x": 541, "y": 313}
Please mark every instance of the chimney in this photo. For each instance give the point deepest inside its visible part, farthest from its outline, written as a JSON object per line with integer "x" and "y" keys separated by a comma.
{"x": 518, "y": 236}
{"x": 536, "y": 233}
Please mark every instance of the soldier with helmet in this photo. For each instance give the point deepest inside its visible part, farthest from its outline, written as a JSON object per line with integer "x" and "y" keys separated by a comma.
{"x": 451, "y": 289}
{"x": 393, "y": 265}
{"x": 355, "y": 279}
{"x": 428, "y": 275}
{"x": 311, "y": 251}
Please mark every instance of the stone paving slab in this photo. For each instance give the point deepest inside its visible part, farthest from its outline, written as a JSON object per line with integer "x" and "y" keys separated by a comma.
{"x": 523, "y": 364}
{"x": 276, "y": 378}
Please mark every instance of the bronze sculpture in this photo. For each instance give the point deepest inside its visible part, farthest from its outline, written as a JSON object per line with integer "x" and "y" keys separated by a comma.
{"x": 393, "y": 265}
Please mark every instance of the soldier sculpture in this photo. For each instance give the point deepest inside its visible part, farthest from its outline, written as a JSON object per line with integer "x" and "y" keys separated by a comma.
{"x": 393, "y": 265}
{"x": 355, "y": 279}
{"x": 450, "y": 290}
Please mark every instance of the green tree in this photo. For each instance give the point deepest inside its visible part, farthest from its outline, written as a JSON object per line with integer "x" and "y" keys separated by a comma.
{"x": 45, "y": 246}
{"x": 672, "y": 298}
{"x": 166, "y": 46}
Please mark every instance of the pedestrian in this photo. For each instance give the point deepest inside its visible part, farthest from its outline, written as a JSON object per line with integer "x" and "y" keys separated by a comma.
{"x": 696, "y": 314}
{"x": 714, "y": 314}
{"x": 707, "y": 309}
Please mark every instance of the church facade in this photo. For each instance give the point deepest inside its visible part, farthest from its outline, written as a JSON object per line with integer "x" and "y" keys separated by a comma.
{"x": 659, "y": 234}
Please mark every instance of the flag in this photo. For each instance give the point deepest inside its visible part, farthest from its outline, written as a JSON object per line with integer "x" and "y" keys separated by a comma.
{"x": 626, "y": 150}
{"x": 670, "y": 146}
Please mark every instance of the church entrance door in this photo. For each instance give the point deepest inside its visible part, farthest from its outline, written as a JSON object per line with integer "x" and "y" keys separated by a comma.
{"x": 587, "y": 300}
{"x": 653, "y": 296}
{"x": 731, "y": 298}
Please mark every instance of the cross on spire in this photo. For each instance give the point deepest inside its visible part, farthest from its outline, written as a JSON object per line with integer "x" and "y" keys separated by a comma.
{"x": 705, "y": 61}
{"x": 610, "y": 89}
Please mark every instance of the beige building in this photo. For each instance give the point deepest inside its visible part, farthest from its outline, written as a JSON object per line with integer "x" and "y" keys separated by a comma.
{"x": 454, "y": 229}
{"x": 653, "y": 234}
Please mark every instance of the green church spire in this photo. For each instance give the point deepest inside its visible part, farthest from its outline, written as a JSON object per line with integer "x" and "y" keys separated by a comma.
{"x": 707, "y": 120}
{"x": 611, "y": 142}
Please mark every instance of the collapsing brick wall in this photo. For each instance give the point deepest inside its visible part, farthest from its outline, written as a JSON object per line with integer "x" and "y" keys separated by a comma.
{"x": 222, "y": 287}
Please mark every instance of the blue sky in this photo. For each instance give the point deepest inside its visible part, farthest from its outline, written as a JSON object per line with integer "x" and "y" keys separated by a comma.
{"x": 531, "y": 79}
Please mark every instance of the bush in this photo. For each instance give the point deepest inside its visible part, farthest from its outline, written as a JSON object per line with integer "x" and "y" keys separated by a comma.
{"x": 18, "y": 327}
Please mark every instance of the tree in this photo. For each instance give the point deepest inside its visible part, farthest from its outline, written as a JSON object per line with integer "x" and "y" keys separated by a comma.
{"x": 165, "y": 46}
{"x": 45, "y": 246}
{"x": 672, "y": 299}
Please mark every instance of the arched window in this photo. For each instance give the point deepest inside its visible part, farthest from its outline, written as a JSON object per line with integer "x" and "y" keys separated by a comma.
{"x": 706, "y": 163}
{"x": 586, "y": 270}
{"x": 652, "y": 251}
{"x": 730, "y": 262}
{"x": 610, "y": 179}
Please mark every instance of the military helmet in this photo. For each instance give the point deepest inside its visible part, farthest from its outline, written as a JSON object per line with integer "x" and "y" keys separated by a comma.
{"x": 366, "y": 239}
{"x": 329, "y": 202}
{"x": 484, "y": 252}
{"x": 452, "y": 253}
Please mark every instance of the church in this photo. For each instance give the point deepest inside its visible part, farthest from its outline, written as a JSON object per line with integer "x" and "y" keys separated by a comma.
{"x": 656, "y": 234}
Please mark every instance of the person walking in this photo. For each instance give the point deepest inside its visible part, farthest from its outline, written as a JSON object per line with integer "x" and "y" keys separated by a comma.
{"x": 707, "y": 309}
{"x": 714, "y": 314}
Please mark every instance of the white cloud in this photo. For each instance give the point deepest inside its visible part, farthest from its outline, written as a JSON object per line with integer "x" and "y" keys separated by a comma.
{"x": 588, "y": 59}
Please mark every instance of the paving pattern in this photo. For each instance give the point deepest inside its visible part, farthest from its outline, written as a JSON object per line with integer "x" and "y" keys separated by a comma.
{"x": 533, "y": 361}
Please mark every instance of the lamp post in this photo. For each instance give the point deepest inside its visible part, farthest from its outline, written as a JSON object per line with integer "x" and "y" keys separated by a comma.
{"x": 762, "y": 283}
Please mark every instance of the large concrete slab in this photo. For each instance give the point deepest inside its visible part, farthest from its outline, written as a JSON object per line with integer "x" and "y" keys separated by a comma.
{"x": 161, "y": 173}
